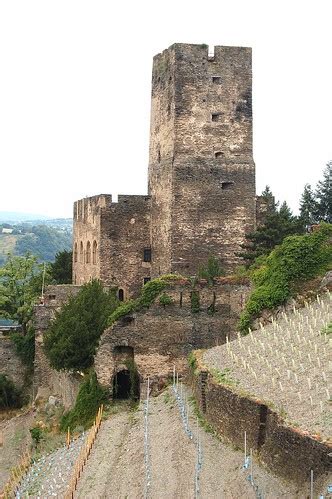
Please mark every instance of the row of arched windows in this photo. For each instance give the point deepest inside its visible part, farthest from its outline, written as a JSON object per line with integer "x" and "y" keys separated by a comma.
{"x": 84, "y": 255}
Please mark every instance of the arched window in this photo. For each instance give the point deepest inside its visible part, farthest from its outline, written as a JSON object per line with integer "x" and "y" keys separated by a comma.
{"x": 94, "y": 252}
{"x": 81, "y": 253}
{"x": 75, "y": 252}
{"x": 88, "y": 252}
{"x": 121, "y": 294}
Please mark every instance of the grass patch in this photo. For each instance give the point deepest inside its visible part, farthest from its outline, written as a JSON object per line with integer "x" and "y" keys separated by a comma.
{"x": 223, "y": 377}
{"x": 201, "y": 420}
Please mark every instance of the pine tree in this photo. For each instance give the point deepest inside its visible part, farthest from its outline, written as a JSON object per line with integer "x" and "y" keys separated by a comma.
{"x": 324, "y": 195}
{"x": 278, "y": 224}
{"x": 308, "y": 206}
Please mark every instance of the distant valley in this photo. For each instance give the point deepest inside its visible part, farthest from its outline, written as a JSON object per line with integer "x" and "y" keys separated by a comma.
{"x": 22, "y": 233}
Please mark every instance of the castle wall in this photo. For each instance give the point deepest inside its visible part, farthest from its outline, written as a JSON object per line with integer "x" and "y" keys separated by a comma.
{"x": 10, "y": 364}
{"x": 89, "y": 241}
{"x": 162, "y": 337}
{"x": 285, "y": 450}
{"x": 113, "y": 237}
{"x": 126, "y": 228}
{"x": 201, "y": 170}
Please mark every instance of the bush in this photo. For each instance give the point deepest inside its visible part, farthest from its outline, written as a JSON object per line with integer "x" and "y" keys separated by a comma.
{"x": 195, "y": 305}
{"x": 150, "y": 291}
{"x": 280, "y": 274}
{"x": 211, "y": 270}
{"x": 165, "y": 299}
{"x": 25, "y": 346}
{"x": 36, "y": 434}
{"x": 72, "y": 338}
{"x": 90, "y": 397}
{"x": 10, "y": 396}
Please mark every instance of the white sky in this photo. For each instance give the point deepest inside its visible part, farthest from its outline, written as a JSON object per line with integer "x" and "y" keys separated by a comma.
{"x": 75, "y": 92}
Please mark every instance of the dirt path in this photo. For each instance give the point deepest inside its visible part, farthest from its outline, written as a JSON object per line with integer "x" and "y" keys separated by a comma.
{"x": 16, "y": 438}
{"x": 116, "y": 467}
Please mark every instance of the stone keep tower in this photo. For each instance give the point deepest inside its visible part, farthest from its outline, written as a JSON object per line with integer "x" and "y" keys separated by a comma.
{"x": 201, "y": 168}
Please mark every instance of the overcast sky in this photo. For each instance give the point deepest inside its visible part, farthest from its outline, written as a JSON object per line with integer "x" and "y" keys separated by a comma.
{"x": 75, "y": 92}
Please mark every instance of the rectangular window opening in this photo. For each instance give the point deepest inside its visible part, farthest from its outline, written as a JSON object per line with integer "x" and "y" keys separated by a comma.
{"x": 217, "y": 80}
{"x": 227, "y": 185}
{"x": 216, "y": 116}
{"x": 147, "y": 255}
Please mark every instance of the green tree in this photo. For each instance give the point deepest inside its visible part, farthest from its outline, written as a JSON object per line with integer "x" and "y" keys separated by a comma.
{"x": 211, "y": 270}
{"x": 72, "y": 338}
{"x": 9, "y": 395}
{"x": 61, "y": 268}
{"x": 20, "y": 285}
{"x": 308, "y": 206}
{"x": 324, "y": 195}
{"x": 279, "y": 223}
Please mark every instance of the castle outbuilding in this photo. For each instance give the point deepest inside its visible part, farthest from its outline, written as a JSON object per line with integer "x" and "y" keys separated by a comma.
{"x": 201, "y": 192}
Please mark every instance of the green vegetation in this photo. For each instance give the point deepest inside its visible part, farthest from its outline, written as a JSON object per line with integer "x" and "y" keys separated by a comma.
{"x": 10, "y": 396}
{"x": 36, "y": 434}
{"x": 223, "y": 377}
{"x": 195, "y": 305}
{"x": 327, "y": 329}
{"x": 279, "y": 275}
{"x": 72, "y": 338}
{"x": 278, "y": 224}
{"x": 165, "y": 299}
{"x": 25, "y": 346}
{"x": 200, "y": 418}
{"x": 192, "y": 362}
{"x": 43, "y": 242}
{"x": 211, "y": 270}
{"x": 150, "y": 291}
{"x": 62, "y": 267}
{"x": 90, "y": 397}
{"x": 20, "y": 285}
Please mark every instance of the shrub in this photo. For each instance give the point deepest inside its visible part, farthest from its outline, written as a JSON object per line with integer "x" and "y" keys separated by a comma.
{"x": 165, "y": 299}
{"x": 36, "y": 434}
{"x": 72, "y": 338}
{"x": 211, "y": 270}
{"x": 279, "y": 275}
{"x": 10, "y": 396}
{"x": 25, "y": 346}
{"x": 150, "y": 291}
{"x": 195, "y": 305}
{"x": 89, "y": 398}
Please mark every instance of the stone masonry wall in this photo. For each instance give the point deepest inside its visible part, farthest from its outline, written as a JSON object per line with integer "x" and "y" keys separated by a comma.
{"x": 162, "y": 337}
{"x": 10, "y": 363}
{"x": 109, "y": 241}
{"x": 201, "y": 170}
{"x": 285, "y": 450}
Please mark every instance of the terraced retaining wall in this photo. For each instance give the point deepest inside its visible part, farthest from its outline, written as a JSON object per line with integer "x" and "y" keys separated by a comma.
{"x": 287, "y": 451}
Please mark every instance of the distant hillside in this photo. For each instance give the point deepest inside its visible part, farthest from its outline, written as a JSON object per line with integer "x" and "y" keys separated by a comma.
{"x": 42, "y": 239}
{"x": 14, "y": 216}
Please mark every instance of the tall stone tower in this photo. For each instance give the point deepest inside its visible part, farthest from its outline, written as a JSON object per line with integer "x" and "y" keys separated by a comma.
{"x": 201, "y": 169}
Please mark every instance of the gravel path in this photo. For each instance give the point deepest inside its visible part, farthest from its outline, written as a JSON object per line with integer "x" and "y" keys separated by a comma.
{"x": 49, "y": 475}
{"x": 288, "y": 363}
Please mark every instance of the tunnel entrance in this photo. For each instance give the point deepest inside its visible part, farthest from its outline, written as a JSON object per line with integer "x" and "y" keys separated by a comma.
{"x": 126, "y": 385}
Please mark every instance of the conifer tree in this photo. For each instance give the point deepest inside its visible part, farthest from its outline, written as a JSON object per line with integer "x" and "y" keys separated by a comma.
{"x": 308, "y": 206}
{"x": 324, "y": 195}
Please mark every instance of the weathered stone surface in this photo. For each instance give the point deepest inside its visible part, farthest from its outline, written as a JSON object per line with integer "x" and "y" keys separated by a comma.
{"x": 10, "y": 363}
{"x": 286, "y": 451}
{"x": 201, "y": 189}
{"x": 161, "y": 337}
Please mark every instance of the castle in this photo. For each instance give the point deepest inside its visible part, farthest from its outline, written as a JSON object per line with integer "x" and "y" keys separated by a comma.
{"x": 201, "y": 193}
